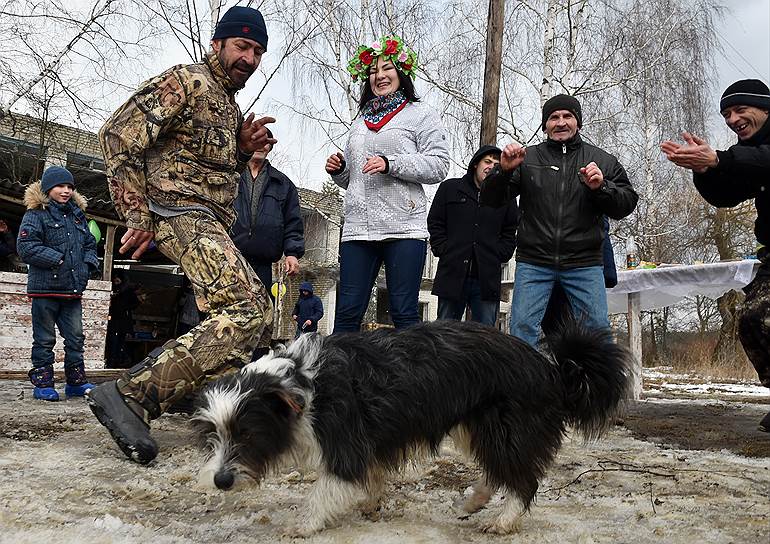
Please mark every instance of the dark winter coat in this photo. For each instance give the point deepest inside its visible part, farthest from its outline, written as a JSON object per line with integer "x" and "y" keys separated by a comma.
{"x": 461, "y": 229}
{"x": 279, "y": 229}
{"x": 309, "y": 307}
{"x": 608, "y": 256}
{"x": 7, "y": 244}
{"x": 743, "y": 173}
{"x": 561, "y": 217}
{"x": 55, "y": 242}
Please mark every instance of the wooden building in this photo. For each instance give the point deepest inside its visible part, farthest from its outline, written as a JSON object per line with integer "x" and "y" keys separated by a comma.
{"x": 27, "y": 147}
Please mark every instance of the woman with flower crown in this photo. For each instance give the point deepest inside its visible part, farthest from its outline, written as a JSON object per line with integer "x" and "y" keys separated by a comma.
{"x": 396, "y": 145}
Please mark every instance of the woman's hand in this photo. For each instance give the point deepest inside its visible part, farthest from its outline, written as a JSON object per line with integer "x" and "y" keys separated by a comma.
{"x": 335, "y": 163}
{"x": 375, "y": 165}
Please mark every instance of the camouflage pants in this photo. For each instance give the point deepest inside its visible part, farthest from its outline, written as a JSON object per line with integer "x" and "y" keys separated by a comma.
{"x": 240, "y": 315}
{"x": 754, "y": 326}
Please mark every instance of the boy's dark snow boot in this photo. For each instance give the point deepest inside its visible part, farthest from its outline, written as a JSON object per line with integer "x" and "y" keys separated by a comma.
{"x": 77, "y": 383}
{"x": 126, "y": 426}
{"x": 42, "y": 379}
{"x": 764, "y": 425}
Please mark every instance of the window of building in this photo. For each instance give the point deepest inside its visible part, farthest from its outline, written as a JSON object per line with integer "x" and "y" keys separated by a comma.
{"x": 88, "y": 170}
{"x": 20, "y": 161}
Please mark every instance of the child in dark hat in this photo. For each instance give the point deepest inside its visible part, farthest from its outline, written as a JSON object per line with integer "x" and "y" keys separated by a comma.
{"x": 308, "y": 310}
{"x": 54, "y": 240}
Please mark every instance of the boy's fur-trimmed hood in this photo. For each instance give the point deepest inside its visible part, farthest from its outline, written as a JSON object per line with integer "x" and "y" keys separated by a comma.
{"x": 36, "y": 199}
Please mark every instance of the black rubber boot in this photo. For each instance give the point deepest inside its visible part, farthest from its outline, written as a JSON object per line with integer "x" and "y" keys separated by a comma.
{"x": 764, "y": 425}
{"x": 128, "y": 429}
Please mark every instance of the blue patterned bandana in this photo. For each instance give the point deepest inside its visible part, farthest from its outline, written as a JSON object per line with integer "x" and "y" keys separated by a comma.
{"x": 381, "y": 109}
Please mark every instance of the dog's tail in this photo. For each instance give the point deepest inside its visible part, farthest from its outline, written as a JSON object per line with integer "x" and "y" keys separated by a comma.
{"x": 596, "y": 375}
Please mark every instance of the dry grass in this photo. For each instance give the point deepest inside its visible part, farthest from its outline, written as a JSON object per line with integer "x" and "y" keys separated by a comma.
{"x": 695, "y": 355}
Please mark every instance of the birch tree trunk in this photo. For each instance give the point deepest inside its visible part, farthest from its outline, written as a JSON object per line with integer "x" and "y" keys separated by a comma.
{"x": 546, "y": 88}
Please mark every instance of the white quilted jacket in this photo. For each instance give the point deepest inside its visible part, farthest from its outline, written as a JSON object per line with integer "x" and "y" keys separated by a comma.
{"x": 393, "y": 205}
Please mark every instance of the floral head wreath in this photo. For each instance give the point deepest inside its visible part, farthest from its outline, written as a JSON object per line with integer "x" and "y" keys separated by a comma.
{"x": 389, "y": 47}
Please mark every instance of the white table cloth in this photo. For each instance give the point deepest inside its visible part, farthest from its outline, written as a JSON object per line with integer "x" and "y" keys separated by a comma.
{"x": 667, "y": 285}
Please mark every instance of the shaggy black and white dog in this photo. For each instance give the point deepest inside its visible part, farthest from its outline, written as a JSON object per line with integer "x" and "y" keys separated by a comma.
{"x": 358, "y": 406}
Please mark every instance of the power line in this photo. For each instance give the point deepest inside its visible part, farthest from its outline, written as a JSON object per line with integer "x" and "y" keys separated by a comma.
{"x": 757, "y": 72}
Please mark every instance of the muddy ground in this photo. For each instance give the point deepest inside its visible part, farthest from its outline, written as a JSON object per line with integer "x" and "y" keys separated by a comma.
{"x": 678, "y": 467}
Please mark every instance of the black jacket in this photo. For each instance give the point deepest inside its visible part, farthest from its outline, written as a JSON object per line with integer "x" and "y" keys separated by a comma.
{"x": 7, "y": 244}
{"x": 561, "y": 218}
{"x": 278, "y": 229}
{"x": 743, "y": 173}
{"x": 460, "y": 228}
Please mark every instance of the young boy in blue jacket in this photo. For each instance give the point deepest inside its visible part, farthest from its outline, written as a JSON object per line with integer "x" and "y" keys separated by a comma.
{"x": 54, "y": 240}
{"x": 308, "y": 310}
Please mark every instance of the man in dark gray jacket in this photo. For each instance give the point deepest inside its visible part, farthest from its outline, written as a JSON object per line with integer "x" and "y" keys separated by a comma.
{"x": 727, "y": 178}
{"x": 565, "y": 186}
{"x": 472, "y": 242}
{"x": 269, "y": 222}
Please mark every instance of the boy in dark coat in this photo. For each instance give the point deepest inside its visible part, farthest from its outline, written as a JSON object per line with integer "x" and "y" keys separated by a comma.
{"x": 55, "y": 242}
{"x": 308, "y": 310}
{"x": 472, "y": 242}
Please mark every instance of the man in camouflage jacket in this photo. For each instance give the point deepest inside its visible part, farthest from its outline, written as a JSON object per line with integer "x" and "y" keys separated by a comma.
{"x": 173, "y": 153}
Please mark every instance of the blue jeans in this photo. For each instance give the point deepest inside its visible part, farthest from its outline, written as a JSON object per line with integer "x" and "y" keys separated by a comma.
{"x": 482, "y": 311}
{"x": 532, "y": 288}
{"x": 360, "y": 263}
{"x": 66, "y": 314}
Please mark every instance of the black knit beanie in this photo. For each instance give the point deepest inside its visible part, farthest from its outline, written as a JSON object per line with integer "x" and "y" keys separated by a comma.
{"x": 746, "y": 92}
{"x": 563, "y": 102}
{"x": 242, "y": 22}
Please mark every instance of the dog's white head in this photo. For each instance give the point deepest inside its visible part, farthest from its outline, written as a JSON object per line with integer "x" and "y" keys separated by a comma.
{"x": 249, "y": 419}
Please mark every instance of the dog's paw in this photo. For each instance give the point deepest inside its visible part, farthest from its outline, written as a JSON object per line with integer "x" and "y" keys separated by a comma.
{"x": 478, "y": 500}
{"x": 304, "y": 530}
{"x": 371, "y": 509}
{"x": 502, "y": 527}
{"x": 474, "y": 503}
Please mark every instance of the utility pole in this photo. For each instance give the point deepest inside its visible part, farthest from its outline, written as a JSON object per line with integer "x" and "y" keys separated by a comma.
{"x": 491, "y": 97}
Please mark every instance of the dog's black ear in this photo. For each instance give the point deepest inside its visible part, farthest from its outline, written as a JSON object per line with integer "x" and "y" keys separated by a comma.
{"x": 279, "y": 350}
{"x": 297, "y": 404}
{"x": 285, "y": 404}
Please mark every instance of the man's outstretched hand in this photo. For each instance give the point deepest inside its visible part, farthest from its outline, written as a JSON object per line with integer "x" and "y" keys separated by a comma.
{"x": 696, "y": 154}
{"x": 253, "y": 134}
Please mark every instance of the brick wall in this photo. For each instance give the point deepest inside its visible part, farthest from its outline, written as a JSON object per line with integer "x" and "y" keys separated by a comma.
{"x": 16, "y": 323}
{"x": 59, "y": 139}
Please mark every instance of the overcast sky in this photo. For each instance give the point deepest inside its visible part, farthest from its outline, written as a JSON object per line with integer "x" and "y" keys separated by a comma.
{"x": 743, "y": 32}
{"x": 745, "y": 37}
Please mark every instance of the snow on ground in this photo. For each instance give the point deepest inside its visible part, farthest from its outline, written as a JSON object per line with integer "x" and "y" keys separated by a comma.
{"x": 63, "y": 480}
{"x": 657, "y": 379}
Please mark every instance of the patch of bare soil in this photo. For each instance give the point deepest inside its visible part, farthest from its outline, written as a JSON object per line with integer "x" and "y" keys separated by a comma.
{"x": 675, "y": 470}
{"x": 695, "y": 425}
